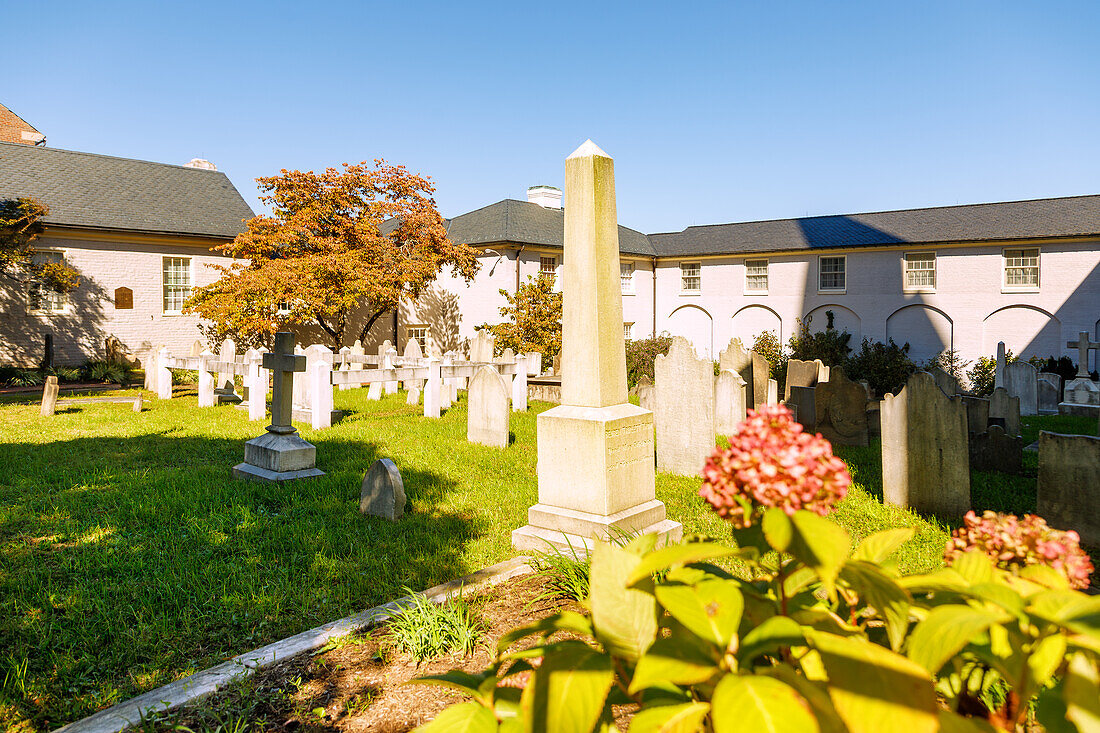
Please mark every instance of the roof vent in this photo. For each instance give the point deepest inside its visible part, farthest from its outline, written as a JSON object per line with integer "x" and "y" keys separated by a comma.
{"x": 202, "y": 164}
{"x": 548, "y": 197}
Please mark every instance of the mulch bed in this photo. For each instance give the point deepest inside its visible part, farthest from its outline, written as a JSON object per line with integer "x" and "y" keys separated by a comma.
{"x": 361, "y": 685}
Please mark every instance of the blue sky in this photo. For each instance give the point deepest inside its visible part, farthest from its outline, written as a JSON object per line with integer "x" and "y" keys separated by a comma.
{"x": 713, "y": 112}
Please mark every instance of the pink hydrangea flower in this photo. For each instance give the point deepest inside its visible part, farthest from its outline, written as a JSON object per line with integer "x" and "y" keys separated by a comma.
{"x": 771, "y": 462}
{"x": 1014, "y": 543}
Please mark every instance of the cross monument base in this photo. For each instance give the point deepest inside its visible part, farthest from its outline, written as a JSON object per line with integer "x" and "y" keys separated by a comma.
{"x": 276, "y": 457}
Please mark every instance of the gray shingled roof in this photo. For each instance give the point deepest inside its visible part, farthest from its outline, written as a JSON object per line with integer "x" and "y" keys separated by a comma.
{"x": 1075, "y": 216}
{"x": 526, "y": 223}
{"x": 102, "y": 192}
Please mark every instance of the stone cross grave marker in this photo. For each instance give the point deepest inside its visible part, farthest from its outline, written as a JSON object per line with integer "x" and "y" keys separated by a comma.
{"x": 49, "y": 396}
{"x": 488, "y": 409}
{"x": 280, "y": 454}
{"x": 595, "y": 450}
{"x": 685, "y": 409}
{"x": 1022, "y": 380}
{"x": 383, "y": 492}
{"x": 925, "y": 459}
{"x": 1083, "y": 346}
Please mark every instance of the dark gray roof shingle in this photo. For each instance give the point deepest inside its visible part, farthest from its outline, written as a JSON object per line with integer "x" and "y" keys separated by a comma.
{"x": 526, "y": 223}
{"x": 102, "y": 192}
{"x": 1074, "y": 216}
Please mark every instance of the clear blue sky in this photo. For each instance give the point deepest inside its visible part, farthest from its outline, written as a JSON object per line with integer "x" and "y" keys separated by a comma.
{"x": 713, "y": 112}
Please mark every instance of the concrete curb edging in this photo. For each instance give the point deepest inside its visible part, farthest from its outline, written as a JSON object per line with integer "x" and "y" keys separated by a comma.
{"x": 118, "y": 718}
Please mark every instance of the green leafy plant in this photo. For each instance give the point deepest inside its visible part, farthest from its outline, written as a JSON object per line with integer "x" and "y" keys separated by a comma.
{"x": 983, "y": 374}
{"x": 767, "y": 345}
{"x": 534, "y": 320}
{"x": 425, "y": 630}
{"x": 67, "y": 374}
{"x": 830, "y": 345}
{"x": 107, "y": 372}
{"x": 641, "y": 354}
{"x": 26, "y": 378}
{"x": 818, "y": 636}
{"x": 885, "y": 367}
{"x": 184, "y": 376}
{"x": 952, "y": 363}
{"x": 566, "y": 573}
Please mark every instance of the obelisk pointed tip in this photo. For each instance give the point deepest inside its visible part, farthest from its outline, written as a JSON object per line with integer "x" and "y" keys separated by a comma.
{"x": 588, "y": 149}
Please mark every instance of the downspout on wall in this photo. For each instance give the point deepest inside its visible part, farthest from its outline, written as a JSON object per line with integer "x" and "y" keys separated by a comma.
{"x": 654, "y": 309}
{"x": 518, "y": 253}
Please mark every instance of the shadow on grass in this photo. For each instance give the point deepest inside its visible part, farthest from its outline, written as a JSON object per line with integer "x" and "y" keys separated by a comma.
{"x": 131, "y": 561}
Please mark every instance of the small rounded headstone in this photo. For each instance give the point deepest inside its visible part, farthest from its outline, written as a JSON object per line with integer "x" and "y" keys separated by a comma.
{"x": 138, "y": 403}
{"x": 383, "y": 492}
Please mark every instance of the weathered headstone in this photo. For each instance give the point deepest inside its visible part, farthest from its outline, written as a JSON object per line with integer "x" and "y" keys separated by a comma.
{"x": 647, "y": 397}
{"x": 225, "y": 389}
{"x": 729, "y": 401}
{"x": 607, "y": 484}
{"x": 840, "y": 407}
{"x": 433, "y": 387}
{"x": 519, "y": 385}
{"x": 387, "y": 355}
{"x": 925, "y": 462}
{"x": 207, "y": 397}
{"x": 977, "y": 414}
{"x": 947, "y": 383}
{"x": 345, "y": 365}
{"x": 256, "y": 381}
{"x": 1022, "y": 380}
{"x": 447, "y": 390}
{"x": 149, "y": 364}
{"x": 164, "y": 374}
{"x": 802, "y": 374}
{"x": 280, "y": 454}
{"x": 196, "y": 348}
{"x": 534, "y": 363}
{"x": 773, "y": 393}
{"x": 1004, "y": 410}
{"x": 320, "y": 388}
{"x": 383, "y": 493}
{"x": 357, "y": 350}
{"x": 1069, "y": 482}
{"x": 481, "y": 347}
{"x": 752, "y": 367}
{"x": 488, "y": 409}
{"x": 999, "y": 369}
{"x": 49, "y": 396}
{"x": 1050, "y": 393}
{"x": 139, "y": 403}
{"x": 802, "y": 405}
{"x": 993, "y": 450}
{"x": 685, "y": 409}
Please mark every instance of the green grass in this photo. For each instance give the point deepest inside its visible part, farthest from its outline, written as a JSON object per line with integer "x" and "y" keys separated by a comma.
{"x": 130, "y": 558}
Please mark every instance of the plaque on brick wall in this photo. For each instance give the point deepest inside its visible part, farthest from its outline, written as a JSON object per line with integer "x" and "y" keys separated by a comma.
{"x": 124, "y": 299}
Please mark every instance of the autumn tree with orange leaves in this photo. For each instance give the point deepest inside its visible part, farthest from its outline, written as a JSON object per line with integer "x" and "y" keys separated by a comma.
{"x": 340, "y": 249}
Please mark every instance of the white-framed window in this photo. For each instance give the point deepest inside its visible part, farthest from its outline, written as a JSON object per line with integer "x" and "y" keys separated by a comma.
{"x": 177, "y": 283}
{"x": 41, "y": 298}
{"x": 418, "y": 332}
{"x": 691, "y": 277}
{"x": 831, "y": 273}
{"x": 548, "y": 266}
{"x": 626, "y": 277}
{"x": 628, "y": 330}
{"x": 920, "y": 270}
{"x": 283, "y": 308}
{"x": 756, "y": 276}
{"x": 1021, "y": 267}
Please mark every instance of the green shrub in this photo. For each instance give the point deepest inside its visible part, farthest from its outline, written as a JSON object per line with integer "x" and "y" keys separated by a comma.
{"x": 103, "y": 371}
{"x": 767, "y": 345}
{"x": 830, "y": 345}
{"x": 950, "y": 362}
{"x": 566, "y": 573}
{"x": 983, "y": 374}
{"x": 184, "y": 376}
{"x": 425, "y": 630}
{"x": 26, "y": 378}
{"x": 67, "y": 374}
{"x": 885, "y": 367}
{"x": 641, "y": 354}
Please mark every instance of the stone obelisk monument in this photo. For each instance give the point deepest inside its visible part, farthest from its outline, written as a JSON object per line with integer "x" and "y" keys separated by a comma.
{"x": 595, "y": 450}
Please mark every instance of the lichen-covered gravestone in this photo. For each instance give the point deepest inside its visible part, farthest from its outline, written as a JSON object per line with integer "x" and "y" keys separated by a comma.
{"x": 947, "y": 383}
{"x": 802, "y": 374}
{"x": 729, "y": 401}
{"x": 488, "y": 409}
{"x": 1004, "y": 410}
{"x": 840, "y": 410}
{"x": 925, "y": 462}
{"x": 752, "y": 367}
{"x": 383, "y": 493}
{"x": 802, "y": 405}
{"x": 977, "y": 414}
{"x": 49, "y": 397}
{"x": 1050, "y": 393}
{"x": 1022, "y": 380}
{"x": 1069, "y": 483}
{"x": 684, "y": 417}
{"x": 994, "y": 450}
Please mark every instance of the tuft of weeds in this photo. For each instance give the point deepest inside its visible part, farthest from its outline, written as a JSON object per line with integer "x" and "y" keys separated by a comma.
{"x": 566, "y": 573}
{"x": 425, "y": 631}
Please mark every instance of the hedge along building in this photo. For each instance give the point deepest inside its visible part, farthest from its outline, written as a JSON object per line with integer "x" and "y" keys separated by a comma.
{"x": 140, "y": 235}
{"x": 957, "y": 277}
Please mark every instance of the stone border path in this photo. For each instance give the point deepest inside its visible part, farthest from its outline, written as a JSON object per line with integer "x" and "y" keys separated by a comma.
{"x": 201, "y": 684}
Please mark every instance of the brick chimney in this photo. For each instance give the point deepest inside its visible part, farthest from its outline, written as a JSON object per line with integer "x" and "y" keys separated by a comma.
{"x": 14, "y": 129}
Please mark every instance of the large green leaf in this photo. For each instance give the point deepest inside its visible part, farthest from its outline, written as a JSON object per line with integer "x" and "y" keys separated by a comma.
{"x": 768, "y": 637}
{"x": 815, "y": 694}
{"x": 944, "y": 633}
{"x": 976, "y": 567}
{"x": 881, "y": 545}
{"x": 953, "y": 723}
{"x": 777, "y": 529}
{"x": 676, "y": 660}
{"x": 711, "y": 609}
{"x": 456, "y": 679}
{"x": 678, "y": 555}
{"x": 1050, "y": 710}
{"x": 468, "y": 717}
{"x": 570, "y": 689}
{"x": 1045, "y": 658}
{"x": 761, "y": 705}
{"x": 569, "y": 621}
{"x": 944, "y": 579}
{"x": 875, "y": 689}
{"x": 820, "y": 544}
{"x": 684, "y": 718}
{"x": 625, "y": 619}
{"x": 881, "y": 592}
{"x": 1081, "y": 691}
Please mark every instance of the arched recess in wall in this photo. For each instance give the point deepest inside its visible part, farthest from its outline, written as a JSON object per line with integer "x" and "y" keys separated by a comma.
{"x": 844, "y": 319}
{"x": 1026, "y": 330}
{"x": 927, "y": 330}
{"x": 753, "y": 320}
{"x": 696, "y": 325}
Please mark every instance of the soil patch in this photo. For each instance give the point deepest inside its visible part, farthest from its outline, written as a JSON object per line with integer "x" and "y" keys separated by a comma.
{"x": 360, "y": 683}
